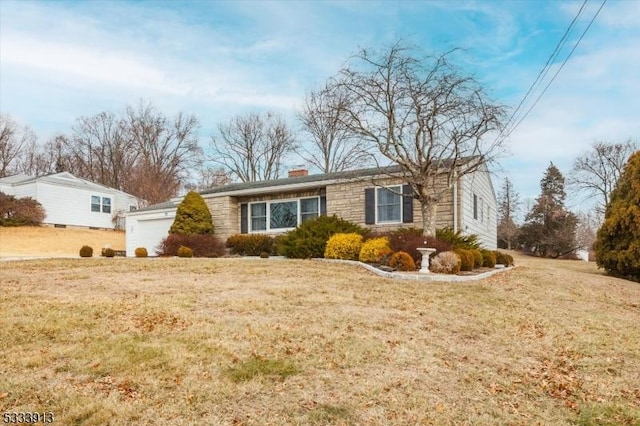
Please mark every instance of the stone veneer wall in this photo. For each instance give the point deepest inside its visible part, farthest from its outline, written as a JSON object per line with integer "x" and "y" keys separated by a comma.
{"x": 346, "y": 200}
{"x": 225, "y": 216}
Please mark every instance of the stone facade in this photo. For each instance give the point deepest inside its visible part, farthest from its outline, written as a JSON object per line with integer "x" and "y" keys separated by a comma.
{"x": 346, "y": 200}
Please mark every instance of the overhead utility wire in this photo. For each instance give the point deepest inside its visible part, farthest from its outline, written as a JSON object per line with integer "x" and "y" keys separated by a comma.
{"x": 559, "y": 69}
{"x": 545, "y": 69}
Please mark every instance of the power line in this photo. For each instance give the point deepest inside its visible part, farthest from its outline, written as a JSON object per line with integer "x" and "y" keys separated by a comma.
{"x": 545, "y": 68}
{"x": 559, "y": 69}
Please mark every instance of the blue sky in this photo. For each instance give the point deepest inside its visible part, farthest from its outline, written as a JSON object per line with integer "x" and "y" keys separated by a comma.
{"x": 63, "y": 59}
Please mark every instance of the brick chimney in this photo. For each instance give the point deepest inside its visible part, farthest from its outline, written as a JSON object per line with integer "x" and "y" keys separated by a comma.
{"x": 298, "y": 173}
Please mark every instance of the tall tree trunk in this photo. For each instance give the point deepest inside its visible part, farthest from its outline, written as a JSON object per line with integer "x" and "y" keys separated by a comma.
{"x": 428, "y": 208}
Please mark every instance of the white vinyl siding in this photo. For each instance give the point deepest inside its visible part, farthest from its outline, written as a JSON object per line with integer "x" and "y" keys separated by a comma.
{"x": 477, "y": 208}
{"x": 389, "y": 204}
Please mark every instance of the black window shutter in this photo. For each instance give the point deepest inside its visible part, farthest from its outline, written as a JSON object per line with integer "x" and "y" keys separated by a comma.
{"x": 244, "y": 218}
{"x": 475, "y": 206}
{"x": 369, "y": 206}
{"x": 323, "y": 205}
{"x": 407, "y": 204}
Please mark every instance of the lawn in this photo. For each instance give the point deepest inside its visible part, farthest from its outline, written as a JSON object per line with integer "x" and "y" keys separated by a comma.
{"x": 269, "y": 342}
{"x": 43, "y": 241}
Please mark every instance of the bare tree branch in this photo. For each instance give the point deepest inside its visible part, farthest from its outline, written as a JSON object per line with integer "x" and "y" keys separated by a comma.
{"x": 253, "y": 147}
{"x": 422, "y": 114}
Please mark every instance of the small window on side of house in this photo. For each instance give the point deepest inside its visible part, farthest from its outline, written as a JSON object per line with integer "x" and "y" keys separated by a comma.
{"x": 95, "y": 203}
{"x": 106, "y": 205}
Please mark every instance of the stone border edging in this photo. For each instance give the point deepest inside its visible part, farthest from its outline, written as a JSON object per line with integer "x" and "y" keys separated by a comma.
{"x": 420, "y": 277}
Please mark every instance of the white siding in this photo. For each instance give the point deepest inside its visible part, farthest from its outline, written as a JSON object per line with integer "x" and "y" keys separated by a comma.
{"x": 147, "y": 229}
{"x": 484, "y": 225}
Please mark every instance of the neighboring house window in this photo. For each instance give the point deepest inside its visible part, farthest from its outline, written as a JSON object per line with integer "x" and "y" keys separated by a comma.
{"x": 281, "y": 214}
{"x": 389, "y": 204}
{"x": 132, "y": 208}
{"x": 475, "y": 206}
{"x": 106, "y": 205}
{"x": 95, "y": 203}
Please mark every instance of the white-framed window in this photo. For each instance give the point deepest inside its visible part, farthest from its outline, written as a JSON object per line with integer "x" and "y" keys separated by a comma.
{"x": 95, "y": 203}
{"x": 309, "y": 209}
{"x": 481, "y": 210}
{"x": 106, "y": 205}
{"x": 280, "y": 215}
{"x": 389, "y": 204}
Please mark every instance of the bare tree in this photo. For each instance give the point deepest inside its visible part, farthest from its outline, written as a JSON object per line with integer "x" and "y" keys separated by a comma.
{"x": 508, "y": 206}
{"x": 596, "y": 171}
{"x": 167, "y": 150}
{"x": 13, "y": 141}
{"x": 101, "y": 150}
{"x": 422, "y": 114}
{"x": 207, "y": 177}
{"x": 333, "y": 147}
{"x": 252, "y": 147}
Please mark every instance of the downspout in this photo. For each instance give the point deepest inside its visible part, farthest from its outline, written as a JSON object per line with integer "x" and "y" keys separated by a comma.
{"x": 455, "y": 202}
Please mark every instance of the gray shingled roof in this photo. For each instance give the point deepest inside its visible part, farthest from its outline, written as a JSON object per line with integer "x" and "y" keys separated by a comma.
{"x": 350, "y": 174}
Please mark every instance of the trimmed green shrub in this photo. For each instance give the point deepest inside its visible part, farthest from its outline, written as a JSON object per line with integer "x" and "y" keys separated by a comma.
{"x": 108, "y": 252}
{"x": 402, "y": 261}
{"x": 202, "y": 245}
{"x": 618, "y": 240}
{"x": 503, "y": 258}
{"x": 343, "y": 246}
{"x": 478, "y": 260}
{"x": 192, "y": 217}
{"x": 458, "y": 239}
{"x": 488, "y": 258}
{"x": 466, "y": 259}
{"x": 250, "y": 244}
{"x": 409, "y": 239}
{"x": 184, "y": 252}
{"x": 86, "y": 251}
{"x": 374, "y": 249}
{"x": 310, "y": 238}
{"x": 446, "y": 262}
{"x": 141, "y": 252}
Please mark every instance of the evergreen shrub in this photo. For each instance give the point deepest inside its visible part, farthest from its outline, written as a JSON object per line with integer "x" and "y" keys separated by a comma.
{"x": 466, "y": 259}
{"x": 86, "y": 251}
{"x": 409, "y": 239}
{"x": 250, "y": 244}
{"x": 488, "y": 258}
{"x": 192, "y": 216}
{"x": 310, "y": 238}
{"x": 184, "y": 252}
{"x": 141, "y": 252}
{"x": 374, "y": 250}
{"x": 402, "y": 261}
{"x": 343, "y": 246}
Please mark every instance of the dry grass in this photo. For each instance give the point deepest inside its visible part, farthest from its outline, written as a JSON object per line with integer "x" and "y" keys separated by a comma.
{"x": 55, "y": 242}
{"x": 270, "y": 342}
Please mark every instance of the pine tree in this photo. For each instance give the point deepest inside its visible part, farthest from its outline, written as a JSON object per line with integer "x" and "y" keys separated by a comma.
{"x": 618, "y": 243}
{"x": 549, "y": 229}
{"x": 192, "y": 217}
{"x": 508, "y": 205}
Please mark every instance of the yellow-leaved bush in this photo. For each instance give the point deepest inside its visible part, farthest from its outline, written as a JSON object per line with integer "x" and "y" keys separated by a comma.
{"x": 343, "y": 246}
{"x": 374, "y": 250}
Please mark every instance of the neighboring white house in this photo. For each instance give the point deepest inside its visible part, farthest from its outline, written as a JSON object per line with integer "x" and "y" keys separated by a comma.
{"x": 369, "y": 197}
{"x": 71, "y": 201}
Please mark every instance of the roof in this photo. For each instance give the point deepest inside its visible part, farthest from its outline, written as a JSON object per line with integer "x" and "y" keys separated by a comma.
{"x": 309, "y": 179}
{"x": 62, "y": 179}
{"x": 275, "y": 185}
